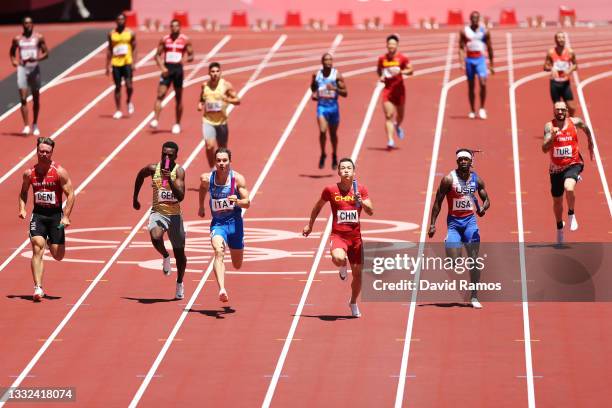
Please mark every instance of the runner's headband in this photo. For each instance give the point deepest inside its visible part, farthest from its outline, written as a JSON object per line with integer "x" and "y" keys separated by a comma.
{"x": 464, "y": 153}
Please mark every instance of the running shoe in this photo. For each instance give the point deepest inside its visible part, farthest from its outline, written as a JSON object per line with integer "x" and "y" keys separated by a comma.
{"x": 355, "y": 310}
{"x": 390, "y": 145}
{"x": 180, "y": 290}
{"x": 472, "y": 115}
{"x": 343, "y": 271}
{"x": 400, "y": 132}
{"x": 482, "y": 114}
{"x": 573, "y": 222}
{"x": 560, "y": 237}
{"x": 223, "y": 296}
{"x": 153, "y": 124}
{"x": 118, "y": 115}
{"x": 322, "y": 160}
{"x": 167, "y": 269}
{"x": 176, "y": 129}
{"x": 475, "y": 303}
{"x": 26, "y": 130}
{"x": 38, "y": 294}
{"x": 35, "y": 130}
{"x": 131, "y": 108}
{"x": 334, "y": 162}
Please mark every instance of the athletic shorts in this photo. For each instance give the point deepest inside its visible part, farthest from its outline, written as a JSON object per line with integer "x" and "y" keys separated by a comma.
{"x": 46, "y": 226}
{"x": 395, "y": 95}
{"x": 330, "y": 113}
{"x": 231, "y": 230}
{"x": 175, "y": 76}
{"x": 557, "y": 180}
{"x": 561, "y": 91}
{"x": 476, "y": 66}
{"x": 173, "y": 224}
{"x": 28, "y": 77}
{"x": 220, "y": 133}
{"x": 353, "y": 246}
{"x": 461, "y": 230}
{"x": 124, "y": 71}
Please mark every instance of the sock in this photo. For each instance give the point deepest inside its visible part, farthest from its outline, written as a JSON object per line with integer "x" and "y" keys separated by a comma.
{"x": 570, "y": 212}
{"x": 560, "y": 225}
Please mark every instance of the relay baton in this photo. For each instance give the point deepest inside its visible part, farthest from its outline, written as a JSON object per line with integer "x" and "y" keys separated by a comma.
{"x": 166, "y": 166}
{"x": 355, "y": 191}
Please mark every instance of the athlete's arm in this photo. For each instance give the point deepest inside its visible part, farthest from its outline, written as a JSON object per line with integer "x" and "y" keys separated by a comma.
{"x": 204, "y": 184}
{"x": 189, "y": 48}
{"x": 579, "y": 123}
{"x": 548, "y": 137}
{"x": 314, "y": 86}
{"x": 313, "y": 216}
{"x": 145, "y": 172}
{"x": 230, "y": 95}
{"x": 177, "y": 185}
{"x": 489, "y": 43}
{"x": 341, "y": 86}
{"x": 70, "y": 196}
{"x": 109, "y": 54}
{"x": 134, "y": 53}
{"x": 23, "y": 194}
{"x": 367, "y": 206}
{"x": 379, "y": 70}
{"x": 202, "y": 99}
{"x": 158, "y": 56}
{"x": 461, "y": 48}
{"x": 445, "y": 186}
{"x": 245, "y": 201}
{"x": 407, "y": 70}
{"x": 548, "y": 62}
{"x": 44, "y": 51}
{"x": 484, "y": 196}
{"x": 13, "y": 52}
{"x": 574, "y": 63}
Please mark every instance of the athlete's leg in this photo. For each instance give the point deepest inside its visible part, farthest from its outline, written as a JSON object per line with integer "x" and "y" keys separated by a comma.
{"x": 571, "y": 107}
{"x": 483, "y": 91}
{"x": 218, "y": 245}
{"x": 161, "y": 93}
{"x": 400, "y": 113}
{"x": 129, "y": 86}
{"x": 181, "y": 263}
{"x": 210, "y": 138}
{"x": 117, "y": 75}
{"x": 323, "y": 126}
{"x": 355, "y": 282}
{"x": 157, "y": 239}
{"x": 569, "y": 185}
{"x": 38, "y": 249}
{"x": 179, "y": 103}
{"x": 558, "y": 209}
{"x": 390, "y": 113}
{"x": 472, "y": 94}
{"x": 333, "y": 137}
{"x": 35, "y": 105}
{"x": 57, "y": 251}
{"x": 237, "y": 257}
{"x": 23, "y": 99}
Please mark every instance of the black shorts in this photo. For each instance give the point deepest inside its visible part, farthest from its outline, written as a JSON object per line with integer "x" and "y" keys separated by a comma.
{"x": 561, "y": 91}
{"x": 175, "y": 76}
{"x": 557, "y": 180}
{"x": 122, "y": 72}
{"x": 46, "y": 226}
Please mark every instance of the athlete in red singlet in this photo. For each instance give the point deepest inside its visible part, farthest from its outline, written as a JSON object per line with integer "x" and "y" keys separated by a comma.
{"x": 173, "y": 48}
{"x": 392, "y": 66}
{"x": 49, "y": 182}
{"x": 566, "y": 164}
{"x": 561, "y": 62}
{"x": 345, "y": 242}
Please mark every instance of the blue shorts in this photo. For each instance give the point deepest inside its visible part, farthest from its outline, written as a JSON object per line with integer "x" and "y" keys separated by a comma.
{"x": 231, "y": 230}
{"x": 330, "y": 113}
{"x": 476, "y": 66}
{"x": 461, "y": 230}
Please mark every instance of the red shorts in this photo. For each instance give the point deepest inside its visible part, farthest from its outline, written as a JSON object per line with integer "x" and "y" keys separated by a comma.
{"x": 396, "y": 95}
{"x": 351, "y": 245}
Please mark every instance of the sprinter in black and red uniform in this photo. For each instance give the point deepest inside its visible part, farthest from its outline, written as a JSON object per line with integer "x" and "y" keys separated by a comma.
{"x": 346, "y": 199}
{"x": 566, "y": 164}
{"x": 49, "y": 182}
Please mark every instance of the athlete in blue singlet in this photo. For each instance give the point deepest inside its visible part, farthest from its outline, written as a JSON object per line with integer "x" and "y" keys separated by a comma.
{"x": 327, "y": 83}
{"x": 228, "y": 196}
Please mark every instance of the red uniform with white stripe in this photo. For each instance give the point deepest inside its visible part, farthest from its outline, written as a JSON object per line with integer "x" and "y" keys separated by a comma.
{"x": 346, "y": 228}
{"x": 394, "y": 91}
{"x": 561, "y": 64}
{"x": 459, "y": 199}
{"x": 564, "y": 152}
{"x": 174, "y": 49}
{"x": 47, "y": 189}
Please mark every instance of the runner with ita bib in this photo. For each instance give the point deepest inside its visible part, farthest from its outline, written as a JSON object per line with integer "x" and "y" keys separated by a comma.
{"x": 327, "y": 83}
{"x": 473, "y": 40}
{"x": 173, "y": 48}
{"x": 566, "y": 163}
{"x": 347, "y": 198}
{"x": 228, "y": 196}
{"x": 120, "y": 56}
{"x": 391, "y": 69}
{"x": 49, "y": 182}
{"x": 561, "y": 62}
{"x": 458, "y": 187}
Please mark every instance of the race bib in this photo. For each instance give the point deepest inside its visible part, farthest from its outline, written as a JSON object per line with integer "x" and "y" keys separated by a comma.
{"x": 222, "y": 204}
{"x": 475, "y": 46}
{"x": 120, "y": 50}
{"x": 462, "y": 204}
{"x": 216, "y": 106}
{"x": 348, "y": 216}
{"x": 327, "y": 93}
{"x": 44, "y": 197}
{"x": 174, "y": 57}
{"x": 561, "y": 66}
{"x": 28, "y": 54}
{"x": 165, "y": 196}
{"x": 563, "y": 152}
{"x": 392, "y": 71}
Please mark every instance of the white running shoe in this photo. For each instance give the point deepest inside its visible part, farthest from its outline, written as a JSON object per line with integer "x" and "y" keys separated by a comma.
{"x": 475, "y": 303}
{"x": 342, "y": 271}
{"x": 176, "y": 129}
{"x": 400, "y": 132}
{"x": 560, "y": 237}
{"x": 26, "y": 130}
{"x": 38, "y": 294}
{"x": 153, "y": 124}
{"x": 472, "y": 115}
{"x": 390, "y": 145}
{"x": 131, "y": 108}
{"x": 166, "y": 266}
{"x": 35, "y": 130}
{"x": 482, "y": 114}
{"x": 223, "y": 296}
{"x": 355, "y": 310}
{"x": 573, "y": 222}
{"x": 180, "y": 290}
{"x": 118, "y": 115}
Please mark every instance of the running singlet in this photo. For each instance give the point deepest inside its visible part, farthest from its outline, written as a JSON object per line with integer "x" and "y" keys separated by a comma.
{"x": 121, "y": 46}
{"x": 164, "y": 201}
{"x": 460, "y": 196}
{"x": 28, "y": 49}
{"x": 564, "y": 152}
{"x": 220, "y": 206}
{"x": 47, "y": 190}
{"x": 391, "y": 69}
{"x": 174, "y": 49}
{"x": 327, "y": 97}
{"x": 561, "y": 65}
{"x": 214, "y": 106}
{"x": 475, "y": 45}
{"x": 345, "y": 213}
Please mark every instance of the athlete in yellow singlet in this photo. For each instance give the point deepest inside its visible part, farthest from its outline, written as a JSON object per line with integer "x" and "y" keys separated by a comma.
{"x": 121, "y": 55}
{"x": 216, "y": 94}
{"x": 168, "y": 182}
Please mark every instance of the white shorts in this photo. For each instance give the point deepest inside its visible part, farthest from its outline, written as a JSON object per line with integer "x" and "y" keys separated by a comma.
{"x": 28, "y": 77}
{"x": 220, "y": 133}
